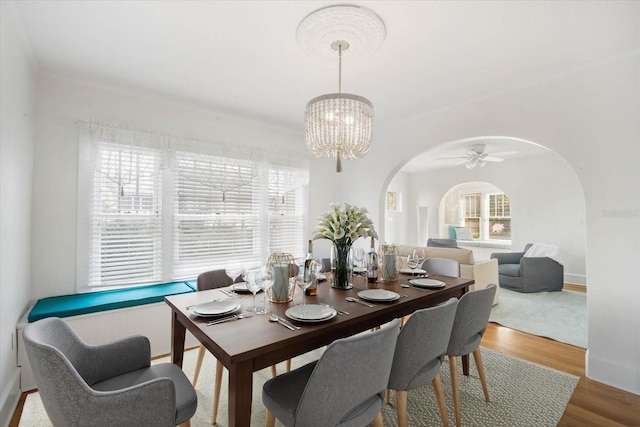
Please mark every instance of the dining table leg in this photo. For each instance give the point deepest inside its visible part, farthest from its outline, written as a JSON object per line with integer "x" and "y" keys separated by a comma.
{"x": 178, "y": 332}
{"x": 240, "y": 393}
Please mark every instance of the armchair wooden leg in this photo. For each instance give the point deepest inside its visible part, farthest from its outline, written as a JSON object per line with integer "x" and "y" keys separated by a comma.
{"x": 186, "y": 424}
{"x": 274, "y": 373}
{"x": 483, "y": 380}
{"x": 401, "y": 408}
{"x": 201, "y": 351}
{"x": 377, "y": 422}
{"x": 216, "y": 391}
{"x": 271, "y": 419}
{"x": 437, "y": 388}
{"x": 288, "y": 365}
{"x": 455, "y": 387}
{"x": 387, "y": 396}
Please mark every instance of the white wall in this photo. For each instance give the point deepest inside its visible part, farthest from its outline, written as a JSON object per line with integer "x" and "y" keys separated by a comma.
{"x": 547, "y": 204}
{"x": 17, "y": 86}
{"x": 60, "y": 104}
{"x": 590, "y": 118}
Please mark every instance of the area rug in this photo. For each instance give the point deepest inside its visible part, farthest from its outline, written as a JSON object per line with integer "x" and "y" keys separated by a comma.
{"x": 561, "y": 316}
{"x": 522, "y": 394}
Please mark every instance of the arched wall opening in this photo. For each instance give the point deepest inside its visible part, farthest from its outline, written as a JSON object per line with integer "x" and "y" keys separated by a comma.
{"x": 547, "y": 205}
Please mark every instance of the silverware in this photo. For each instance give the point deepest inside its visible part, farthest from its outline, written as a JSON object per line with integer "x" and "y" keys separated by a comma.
{"x": 280, "y": 320}
{"x": 403, "y": 295}
{"x": 352, "y": 299}
{"x": 226, "y": 319}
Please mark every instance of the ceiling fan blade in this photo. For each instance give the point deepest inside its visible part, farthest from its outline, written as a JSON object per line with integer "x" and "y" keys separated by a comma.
{"x": 460, "y": 162}
{"x": 449, "y": 158}
{"x": 492, "y": 159}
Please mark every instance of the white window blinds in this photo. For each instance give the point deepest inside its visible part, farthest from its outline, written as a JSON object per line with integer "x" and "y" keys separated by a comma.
{"x": 125, "y": 221}
{"x": 217, "y": 213}
{"x": 160, "y": 209}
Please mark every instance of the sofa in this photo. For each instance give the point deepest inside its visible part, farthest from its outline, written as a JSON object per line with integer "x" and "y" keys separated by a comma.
{"x": 521, "y": 273}
{"x": 483, "y": 272}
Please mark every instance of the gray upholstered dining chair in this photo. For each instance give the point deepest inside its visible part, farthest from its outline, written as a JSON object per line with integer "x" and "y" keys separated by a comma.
{"x": 215, "y": 279}
{"x": 107, "y": 385}
{"x": 472, "y": 316}
{"x": 442, "y": 266}
{"x": 345, "y": 387}
{"x": 420, "y": 350}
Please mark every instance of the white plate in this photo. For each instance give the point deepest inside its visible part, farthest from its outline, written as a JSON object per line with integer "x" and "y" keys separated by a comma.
{"x": 321, "y": 278}
{"x": 215, "y": 308}
{"x": 407, "y": 270}
{"x": 427, "y": 283}
{"x": 359, "y": 269}
{"x": 242, "y": 287}
{"x": 311, "y": 313}
{"x": 378, "y": 295}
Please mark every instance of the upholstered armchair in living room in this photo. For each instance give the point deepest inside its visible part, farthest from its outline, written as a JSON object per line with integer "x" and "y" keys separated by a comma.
{"x": 521, "y": 273}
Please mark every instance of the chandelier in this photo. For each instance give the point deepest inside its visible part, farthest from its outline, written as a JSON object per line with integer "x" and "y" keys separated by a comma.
{"x": 340, "y": 124}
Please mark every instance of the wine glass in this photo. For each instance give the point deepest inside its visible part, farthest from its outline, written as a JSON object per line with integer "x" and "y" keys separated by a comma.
{"x": 268, "y": 279}
{"x": 303, "y": 281}
{"x": 412, "y": 261}
{"x": 233, "y": 271}
{"x": 419, "y": 253}
{"x": 358, "y": 256}
{"x": 254, "y": 282}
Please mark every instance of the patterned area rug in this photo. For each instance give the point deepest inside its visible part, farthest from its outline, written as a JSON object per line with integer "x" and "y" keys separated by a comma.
{"x": 522, "y": 394}
{"x": 561, "y": 316}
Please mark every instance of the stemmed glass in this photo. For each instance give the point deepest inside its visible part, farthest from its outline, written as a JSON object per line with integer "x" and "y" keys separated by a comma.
{"x": 358, "y": 256}
{"x": 419, "y": 253}
{"x": 304, "y": 281}
{"x": 233, "y": 271}
{"x": 412, "y": 261}
{"x": 268, "y": 280}
{"x": 253, "y": 279}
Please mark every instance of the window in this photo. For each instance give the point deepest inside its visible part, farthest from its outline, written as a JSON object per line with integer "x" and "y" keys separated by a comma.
{"x": 155, "y": 214}
{"x": 499, "y": 217}
{"x": 472, "y": 213}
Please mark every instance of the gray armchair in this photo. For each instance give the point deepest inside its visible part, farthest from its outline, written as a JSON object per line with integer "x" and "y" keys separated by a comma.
{"x": 528, "y": 274}
{"x": 110, "y": 385}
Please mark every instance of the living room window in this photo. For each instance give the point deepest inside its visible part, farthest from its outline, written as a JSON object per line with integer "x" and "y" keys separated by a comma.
{"x": 153, "y": 211}
{"x": 472, "y": 213}
{"x": 499, "y": 217}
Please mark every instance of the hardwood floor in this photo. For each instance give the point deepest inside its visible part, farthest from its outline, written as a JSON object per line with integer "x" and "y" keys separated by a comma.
{"x": 592, "y": 403}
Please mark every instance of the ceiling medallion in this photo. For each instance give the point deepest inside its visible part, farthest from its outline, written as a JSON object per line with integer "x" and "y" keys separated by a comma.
{"x": 340, "y": 124}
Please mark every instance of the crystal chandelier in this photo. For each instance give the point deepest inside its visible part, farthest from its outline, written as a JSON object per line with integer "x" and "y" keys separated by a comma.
{"x": 339, "y": 124}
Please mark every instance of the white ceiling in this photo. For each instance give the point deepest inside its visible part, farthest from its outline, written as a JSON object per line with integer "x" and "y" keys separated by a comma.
{"x": 242, "y": 56}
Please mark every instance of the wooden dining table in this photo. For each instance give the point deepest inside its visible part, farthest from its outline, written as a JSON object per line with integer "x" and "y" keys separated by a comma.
{"x": 248, "y": 345}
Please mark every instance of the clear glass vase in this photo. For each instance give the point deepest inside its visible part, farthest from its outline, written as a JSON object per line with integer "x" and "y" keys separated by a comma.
{"x": 342, "y": 272}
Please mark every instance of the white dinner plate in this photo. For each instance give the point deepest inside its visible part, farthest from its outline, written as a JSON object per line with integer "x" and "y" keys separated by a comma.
{"x": 407, "y": 270}
{"x": 428, "y": 283}
{"x": 378, "y": 295}
{"x": 359, "y": 269}
{"x": 321, "y": 277}
{"x": 242, "y": 287}
{"x": 215, "y": 308}
{"x": 311, "y": 313}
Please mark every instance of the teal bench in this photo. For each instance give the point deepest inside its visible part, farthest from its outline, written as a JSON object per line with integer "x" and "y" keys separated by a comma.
{"x": 93, "y": 302}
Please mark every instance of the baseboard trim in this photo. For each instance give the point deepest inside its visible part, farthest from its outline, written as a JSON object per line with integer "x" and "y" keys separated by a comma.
{"x": 606, "y": 371}
{"x": 10, "y": 398}
{"x": 576, "y": 279}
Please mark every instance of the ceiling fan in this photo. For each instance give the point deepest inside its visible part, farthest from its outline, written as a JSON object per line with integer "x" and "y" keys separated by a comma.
{"x": 476, "y": 157}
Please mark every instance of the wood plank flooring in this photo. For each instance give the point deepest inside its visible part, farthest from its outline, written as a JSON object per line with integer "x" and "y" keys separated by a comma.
{"x": 592, "y": 404}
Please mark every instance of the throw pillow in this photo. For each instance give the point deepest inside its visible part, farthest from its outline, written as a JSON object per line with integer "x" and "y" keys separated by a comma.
{"x": 463, "y": 234}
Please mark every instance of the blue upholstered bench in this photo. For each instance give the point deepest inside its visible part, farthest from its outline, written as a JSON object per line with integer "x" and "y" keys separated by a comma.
{"x": 92, "y": 302}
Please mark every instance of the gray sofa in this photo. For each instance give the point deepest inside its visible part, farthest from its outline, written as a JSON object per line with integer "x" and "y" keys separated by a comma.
{"x": 528, "y": 274}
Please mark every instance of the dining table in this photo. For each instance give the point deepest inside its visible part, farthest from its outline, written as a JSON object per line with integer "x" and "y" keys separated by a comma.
{"x": 254, "y": 343}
